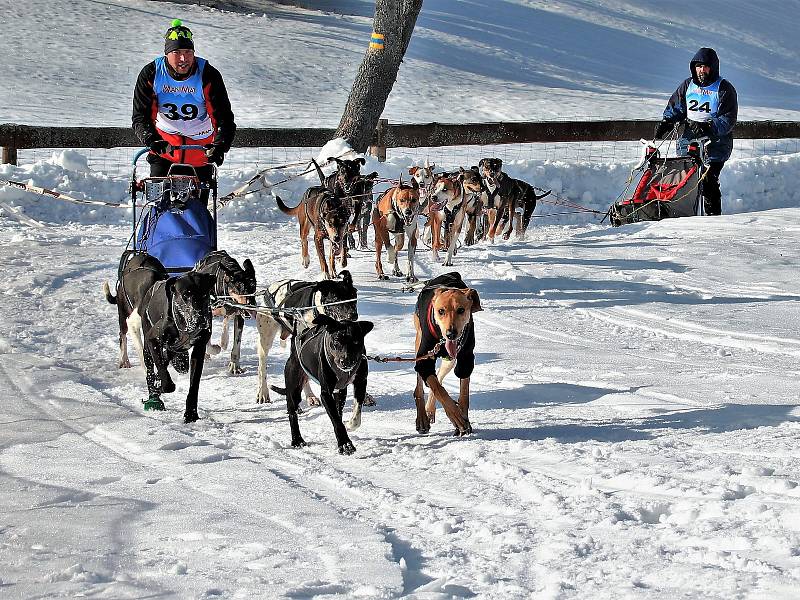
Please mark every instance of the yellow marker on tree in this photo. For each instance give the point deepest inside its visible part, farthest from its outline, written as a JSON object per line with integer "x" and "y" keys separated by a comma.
{"x": 376, "y": 41}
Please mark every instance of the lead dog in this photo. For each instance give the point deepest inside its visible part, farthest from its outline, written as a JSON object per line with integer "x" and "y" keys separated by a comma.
{"x": 445, "y": 328}
{"x": 332, "y": 353}
{"x": 334, "y": 298}
{"x": 504, "y": 195}
{"x": 396, "y": 213}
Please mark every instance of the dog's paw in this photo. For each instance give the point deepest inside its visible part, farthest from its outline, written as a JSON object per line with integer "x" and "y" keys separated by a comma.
{"x": 412, "y": 279}
{"x": 190, "y": 416}
{"x": 313, "y": 401}
{"x": 369, "y": 400}
{"x": 213, "y": 350}
{"x": 423, "y": 425}
{"x": 382, "y": 277}
{"x": 124, "y": 364}
{"x": 347, "y": 448}
{"x": 154, "y": 403}
{"x": 168, "y": 386}
{"x": 466, "y": 430}
{"x": 234, "y": 368}
{"x": 298, "y": 442}
{"x": 431, "y": 416}
{"x": 263, "y": 399}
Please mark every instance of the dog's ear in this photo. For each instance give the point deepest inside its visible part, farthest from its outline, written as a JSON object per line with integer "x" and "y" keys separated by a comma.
{"x": 472, "y": 294}
{"x": 365, "y": 326}
{"x": 474, "y": 168}
{"x": 414, "y": 183}
{"x": 499, "y": 163}
{"x": 363, "y": 161}
{"x": 322, "y": 319}
{"x": 248, "y": 268}
{"x": 347, "y": 278}
{"x": 372, "y": 175}
{"x": 413, "y": 170}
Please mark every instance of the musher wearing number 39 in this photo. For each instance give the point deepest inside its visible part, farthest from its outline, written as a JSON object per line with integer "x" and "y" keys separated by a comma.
{"x": 180, "y": 99}
{"x": 707, "y": 106}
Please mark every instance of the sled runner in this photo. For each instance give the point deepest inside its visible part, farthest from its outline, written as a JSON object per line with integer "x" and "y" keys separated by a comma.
{"x": 667, "y": 187}
{"x": 175, "y": 225}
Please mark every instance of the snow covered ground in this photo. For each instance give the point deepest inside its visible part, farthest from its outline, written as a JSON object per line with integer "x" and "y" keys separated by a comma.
{"x": 635, "y": 394}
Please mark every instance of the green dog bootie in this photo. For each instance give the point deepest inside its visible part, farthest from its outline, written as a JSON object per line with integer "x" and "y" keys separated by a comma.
{"x": 154, "y": 403}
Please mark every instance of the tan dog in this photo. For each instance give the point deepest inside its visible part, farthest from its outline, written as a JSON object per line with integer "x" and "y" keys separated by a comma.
{"x": 396, "y": 212}
{"x": 443, "y": 320}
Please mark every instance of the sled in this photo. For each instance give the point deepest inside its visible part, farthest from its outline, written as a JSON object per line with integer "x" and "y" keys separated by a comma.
{"x": 667, "y": 187}
{"x": 174, "y": 225}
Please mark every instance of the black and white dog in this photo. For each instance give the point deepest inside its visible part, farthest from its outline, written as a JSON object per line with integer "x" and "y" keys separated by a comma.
{"x": 335, "y": 298}
{"x": 333, "y": 354}
{"x": 174, "y": 315}
{"x": 504, "y": 196}
{"x": 238, "y": 283}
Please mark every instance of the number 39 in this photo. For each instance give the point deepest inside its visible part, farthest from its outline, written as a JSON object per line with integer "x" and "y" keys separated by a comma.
{"x": 189, "y": 112}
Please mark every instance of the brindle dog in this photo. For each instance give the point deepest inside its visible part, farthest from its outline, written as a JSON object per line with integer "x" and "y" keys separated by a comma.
{"x": 329, "y": 214}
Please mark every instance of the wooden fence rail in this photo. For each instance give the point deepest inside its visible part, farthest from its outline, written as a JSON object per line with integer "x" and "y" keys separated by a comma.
{"x": 19, "y": 137}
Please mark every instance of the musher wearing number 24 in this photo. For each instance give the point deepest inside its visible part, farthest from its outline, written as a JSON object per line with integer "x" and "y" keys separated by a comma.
{"x": 180, "y": 99}
{"x": 707, "y": 106}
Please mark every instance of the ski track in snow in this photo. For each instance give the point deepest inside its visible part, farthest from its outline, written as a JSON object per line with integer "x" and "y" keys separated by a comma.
{"x": 594, "y": 471}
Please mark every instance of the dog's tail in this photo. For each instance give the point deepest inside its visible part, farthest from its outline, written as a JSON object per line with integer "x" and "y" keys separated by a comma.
{"x": 287, "y": 210}
{"x": 319, "y": 172}
{"x": 110, "y": 298}
{"x": 279, "y": 390}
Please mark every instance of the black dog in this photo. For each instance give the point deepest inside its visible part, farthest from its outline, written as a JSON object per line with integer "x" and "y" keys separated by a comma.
{"x": 176, "y": 315}
{"x": 173, "y": 314}
{"x": 332, "y": 353}
{"x": 503, "y": 195}
{"x": 238, "y": 284}
{"x": 334, "y": 298}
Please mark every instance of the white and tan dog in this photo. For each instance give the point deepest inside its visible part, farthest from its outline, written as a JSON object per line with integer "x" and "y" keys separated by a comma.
{"x": 396, "y": 213}
{"x": 454, "y": 197}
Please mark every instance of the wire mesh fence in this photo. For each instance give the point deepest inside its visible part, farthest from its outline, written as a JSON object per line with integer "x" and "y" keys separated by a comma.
{"x": 117, "y": 162}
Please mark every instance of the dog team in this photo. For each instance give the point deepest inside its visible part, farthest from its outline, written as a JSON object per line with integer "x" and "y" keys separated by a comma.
{"x": 170, "y": 317}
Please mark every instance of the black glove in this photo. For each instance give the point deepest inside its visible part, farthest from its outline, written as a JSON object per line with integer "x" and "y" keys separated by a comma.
{"x": 662, "y": 129}
{"x": 700, "y": 129}
{"x": 161, "y": 146}
{"x": 215, "y": 154}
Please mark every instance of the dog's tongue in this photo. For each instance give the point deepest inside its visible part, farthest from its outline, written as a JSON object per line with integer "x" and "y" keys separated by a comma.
{"x": 451, "y": 347}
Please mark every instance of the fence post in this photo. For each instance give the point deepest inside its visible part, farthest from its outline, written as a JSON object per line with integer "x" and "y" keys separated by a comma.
{"x": 9, "y": 156}
{"x": 379, "y": 149}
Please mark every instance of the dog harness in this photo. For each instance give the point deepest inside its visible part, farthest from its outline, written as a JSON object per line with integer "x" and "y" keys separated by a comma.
{"x": 312, "y": 349}
{"x": 431, "y": 334}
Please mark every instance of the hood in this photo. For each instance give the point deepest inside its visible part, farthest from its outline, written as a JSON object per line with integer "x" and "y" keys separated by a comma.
{"x": 706, "y": 56}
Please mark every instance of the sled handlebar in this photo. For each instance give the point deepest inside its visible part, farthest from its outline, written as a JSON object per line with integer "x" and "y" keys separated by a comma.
{"x": 144, "y": 151}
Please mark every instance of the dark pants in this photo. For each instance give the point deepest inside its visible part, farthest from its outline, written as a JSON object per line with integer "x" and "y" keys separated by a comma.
{"x": 712, "y": 197}
{"x": 159, "y": 167}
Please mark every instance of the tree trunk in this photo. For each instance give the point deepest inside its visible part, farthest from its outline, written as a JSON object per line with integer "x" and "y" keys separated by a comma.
{"x": 394, "y": 20}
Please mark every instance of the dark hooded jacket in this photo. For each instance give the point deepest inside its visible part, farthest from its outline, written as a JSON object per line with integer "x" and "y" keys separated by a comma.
{"x": 722, "y": 122}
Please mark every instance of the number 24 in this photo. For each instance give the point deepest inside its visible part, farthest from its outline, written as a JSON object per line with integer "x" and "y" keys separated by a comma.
{"x": 695, "y": 105}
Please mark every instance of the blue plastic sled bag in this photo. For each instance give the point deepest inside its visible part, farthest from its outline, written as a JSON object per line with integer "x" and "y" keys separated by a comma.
{"x": 178, "y": 237}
